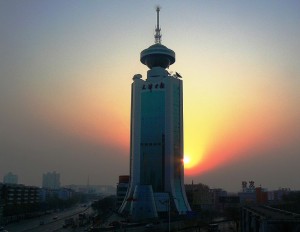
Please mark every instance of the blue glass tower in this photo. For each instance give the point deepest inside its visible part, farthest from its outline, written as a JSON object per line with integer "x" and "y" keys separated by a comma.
{"x": 156, "y": 140}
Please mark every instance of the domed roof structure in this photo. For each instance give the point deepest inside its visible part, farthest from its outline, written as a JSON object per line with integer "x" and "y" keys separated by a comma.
{"x": 157, "y": 55}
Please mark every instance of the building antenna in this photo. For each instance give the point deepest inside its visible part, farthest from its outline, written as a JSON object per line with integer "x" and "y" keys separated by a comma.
{"x": 157, "y": 35}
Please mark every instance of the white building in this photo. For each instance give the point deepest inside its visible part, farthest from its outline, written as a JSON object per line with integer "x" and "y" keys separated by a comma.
{"x": 156, "y": 140}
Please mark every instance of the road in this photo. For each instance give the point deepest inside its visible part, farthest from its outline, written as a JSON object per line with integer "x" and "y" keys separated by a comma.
{"x": 52, "y": 222}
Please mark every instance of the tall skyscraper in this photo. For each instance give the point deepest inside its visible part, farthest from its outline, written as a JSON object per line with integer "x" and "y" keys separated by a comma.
{"x": 156, "y": 139}
{"x": 51, "y": 180}
{"x": 10, "y": 178}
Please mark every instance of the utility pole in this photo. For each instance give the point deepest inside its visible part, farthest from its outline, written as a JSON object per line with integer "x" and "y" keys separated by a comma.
{"x": 169, "y": 205}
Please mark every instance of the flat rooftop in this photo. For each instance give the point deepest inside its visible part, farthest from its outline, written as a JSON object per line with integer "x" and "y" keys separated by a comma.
{"x": 273, "y": 214}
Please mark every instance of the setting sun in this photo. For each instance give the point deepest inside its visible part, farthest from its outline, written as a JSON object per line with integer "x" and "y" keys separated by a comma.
{"x": 190, "y": 161}
{"x": 186, "y": 160}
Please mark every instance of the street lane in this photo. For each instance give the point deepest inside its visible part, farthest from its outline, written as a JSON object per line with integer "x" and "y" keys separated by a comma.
{"x": 50, "y": 224}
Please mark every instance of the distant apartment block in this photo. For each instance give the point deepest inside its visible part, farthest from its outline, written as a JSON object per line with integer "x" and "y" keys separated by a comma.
{"x": 51, "y": 180}
{"x": 10, "y": 178}
{"x": 277, "y": 195}
{"x": 18, "y": 194}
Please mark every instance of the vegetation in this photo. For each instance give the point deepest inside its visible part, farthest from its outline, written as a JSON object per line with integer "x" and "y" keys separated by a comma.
{"x": 54, "y": 202}
{"x": 105, "y": 205}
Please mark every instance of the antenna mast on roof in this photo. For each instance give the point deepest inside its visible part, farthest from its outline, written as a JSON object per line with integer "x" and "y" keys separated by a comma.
{"x": 157, "y": 35}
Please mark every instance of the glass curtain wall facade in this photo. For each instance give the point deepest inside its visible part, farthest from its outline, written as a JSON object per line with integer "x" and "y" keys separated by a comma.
{"x": 156, "y": 137}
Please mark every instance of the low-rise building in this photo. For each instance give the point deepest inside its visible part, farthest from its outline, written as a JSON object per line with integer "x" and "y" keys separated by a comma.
{"x": 61, "y": 194}
{"x": 268, "y": 219}
{"x": 98, "y": 190}
{"x": 19, "y": 199}
{"x": 217, "y": 193}
{"x": 199, "y": 196}
{"x": 122, "y": 188}
{"x": 277, "y": 195}
{"x": 253, "y": 195}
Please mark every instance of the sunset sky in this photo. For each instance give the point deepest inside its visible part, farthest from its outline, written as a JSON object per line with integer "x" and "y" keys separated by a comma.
{"x": 66, "y": 70}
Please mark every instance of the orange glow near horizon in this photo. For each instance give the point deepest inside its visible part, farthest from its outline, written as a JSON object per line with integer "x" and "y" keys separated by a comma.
{"x": 85, "y": 114}
{"x": 222, "y": 146}
{"x": 220, "y": 126}
{"x": 229, "y": 124}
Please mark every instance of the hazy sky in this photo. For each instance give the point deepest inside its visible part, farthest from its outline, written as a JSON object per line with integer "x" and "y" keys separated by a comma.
{"x": 65, "y": 73}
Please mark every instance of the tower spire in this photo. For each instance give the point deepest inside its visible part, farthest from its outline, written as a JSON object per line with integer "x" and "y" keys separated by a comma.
{"x": 157, "y": 35}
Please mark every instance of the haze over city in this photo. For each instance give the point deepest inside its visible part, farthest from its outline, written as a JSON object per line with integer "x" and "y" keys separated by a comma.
{"x": 66, "y": 70}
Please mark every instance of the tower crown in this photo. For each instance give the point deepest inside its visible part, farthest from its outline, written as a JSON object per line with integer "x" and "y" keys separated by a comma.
{"x": 157, "y": 35}
{"x": 157, "y": 55}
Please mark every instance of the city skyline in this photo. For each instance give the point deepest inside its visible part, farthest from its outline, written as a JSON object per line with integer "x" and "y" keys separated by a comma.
{"x": 66, "y": 70}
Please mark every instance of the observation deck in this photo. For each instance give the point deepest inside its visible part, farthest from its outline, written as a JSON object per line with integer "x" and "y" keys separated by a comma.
{"x": 157, "y": 55}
